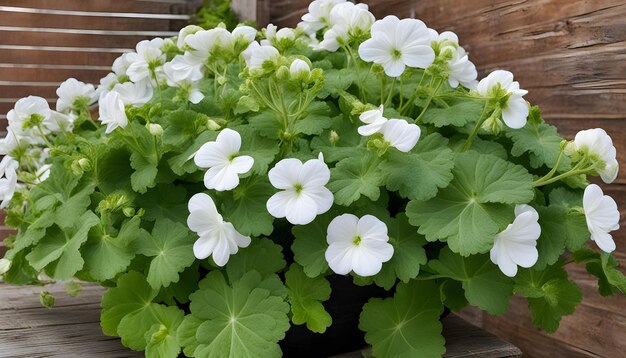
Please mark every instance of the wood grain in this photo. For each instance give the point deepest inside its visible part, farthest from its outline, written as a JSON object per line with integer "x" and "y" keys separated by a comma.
{"x": 72, "y": 328}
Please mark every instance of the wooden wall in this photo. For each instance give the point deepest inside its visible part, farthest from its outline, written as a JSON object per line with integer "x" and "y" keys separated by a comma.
{"x": 44, "y": 42}
{"x": 571, "y": 56}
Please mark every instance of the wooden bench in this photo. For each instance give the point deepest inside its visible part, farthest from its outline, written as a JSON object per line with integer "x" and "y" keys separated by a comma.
{"x": 72, "y": 328}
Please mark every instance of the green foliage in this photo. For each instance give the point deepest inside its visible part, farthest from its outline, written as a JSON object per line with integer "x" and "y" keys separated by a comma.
{"x": 484, "y": 285}
{"x": 406, "y": 325}
{"x": 354, "y": 177}
{"x": 604, "y": 266}
{"x": 171, "y": 248}
{"x": 238, "y": 319}
{"x": 550, "y": 295}
{"x": 306, "y": 296}
{"x": 475, "y": 206}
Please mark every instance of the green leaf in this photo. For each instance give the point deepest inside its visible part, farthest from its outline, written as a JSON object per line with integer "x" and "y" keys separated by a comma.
{"x": 542, "y": 141}
{"x": 314, "y": 120}
{"x": 165, "y": 201}
{"x": 475, "y": 206}
{"x": 262, "y": 149}
{"x": 171, "y": 249}
{"x": 266, "y": 123}
{"x": 58, "y": 250}
{"x": 306, "y": 296}
{"x": 549, "y": 293}
{"x": 353, "y": 177}
{"x": 186, "y": 334}
{"x": 74, "y": 206}
{"x": 244, "y": 207}
{"x": 420, "y": 173}
{"x": 241, "y": 319}
{"x": 406, "y": 325}
{"x": 183, "y": 163}
{"x": 484, "y": 285}
{"x": 161, "y": 338}
{"x": 408, "y": 254}
{"x": 310, "y": 245}
{"x": 458, "y": 114}
{"x": 263, "y": 256}
{"x": 145, "y": 173}
{"x": 336, "y": 81}
{"x": 453, "y": 295}
{"x": 605, "y": 268}
{"x": 107, "y": 255}
{"x": 132, "y": 294}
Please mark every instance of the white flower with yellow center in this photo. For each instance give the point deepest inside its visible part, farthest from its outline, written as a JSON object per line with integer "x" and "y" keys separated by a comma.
{"x": 217, "y": 237}
{"x": 359, "y": 245}
{"x": 223, "y": 160}
{"x": 303, "y": 194}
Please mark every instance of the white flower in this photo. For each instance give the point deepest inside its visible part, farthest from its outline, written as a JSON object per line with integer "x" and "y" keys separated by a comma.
{"x": 223, "y": 161}
{"x": 499, "y": 84}
{"x": 401, "y": 134}
{"x": 299, "y": 67}
{"x": 203, "y": 43}
{"x": 374, "y": 121}
{"x": 459, "y": 68}
{"x": 112, "y": 111}
{"x": 303, "y": 194}
{"x": 8, "y": 179}
{"x": 42, "y": 173}
{"x": 517, "y": 244}
{"x": 359, "y": 245}
{"x": 397, "y": 43}
{"x": 30, "y": 118}
{"x": 255, "y": 55}
{"x": 602, "y": 217}
{"x": 136, "y": 94}
{"x": 274, "y": 37}
{"x": 8, "y": 143}
{"x": 181, "y": 72}
{"x": 347, "y": 20}
{"x": 318, "y": 16}
{"x": 184, "y": 32}
{"x": 120, "y": 64}
{"x": 107, "y": 83}
{"x": 598, "y": 144}
{"x": 145, "y": 60}
{"x": 217, "y": 237}
{"x": 71, "y": 91}
{"x": 247, "y": 33}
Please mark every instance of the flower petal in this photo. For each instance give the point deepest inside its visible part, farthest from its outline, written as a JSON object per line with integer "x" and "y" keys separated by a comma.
{"x": 342, "y": 228}
{"x": 515, "y": 112}
{"x": 285, "y": 173}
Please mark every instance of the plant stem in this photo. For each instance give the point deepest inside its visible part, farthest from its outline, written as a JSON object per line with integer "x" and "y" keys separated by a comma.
{"x": 430, "y": 99}
{"x": 481, "y": 120}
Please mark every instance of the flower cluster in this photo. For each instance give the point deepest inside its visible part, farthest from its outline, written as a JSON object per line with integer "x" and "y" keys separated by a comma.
{"x": 355, "y": 146}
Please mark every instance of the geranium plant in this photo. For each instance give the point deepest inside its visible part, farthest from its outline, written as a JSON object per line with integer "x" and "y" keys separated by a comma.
{"x": 225, "y": 183}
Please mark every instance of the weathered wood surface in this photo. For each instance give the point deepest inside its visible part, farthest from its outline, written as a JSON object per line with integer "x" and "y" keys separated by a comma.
{"x": 72, "y": 329}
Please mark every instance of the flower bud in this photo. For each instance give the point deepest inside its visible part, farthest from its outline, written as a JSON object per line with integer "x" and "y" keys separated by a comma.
{"x": 299, "y": 69}
{"x": 46, "y": 299}
{"x": 212, "y": 125}
{"x": 155, "y": 129}
{"x": 333, "y": 137}
{"x": 5, "y": 265}
{"x": 73, "y": 288}
{"x": 283, "y": 73}
{"x": 128, "y": 212}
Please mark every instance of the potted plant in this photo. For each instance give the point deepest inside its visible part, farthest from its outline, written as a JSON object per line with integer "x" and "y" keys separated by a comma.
{"x": 242, "y": 192}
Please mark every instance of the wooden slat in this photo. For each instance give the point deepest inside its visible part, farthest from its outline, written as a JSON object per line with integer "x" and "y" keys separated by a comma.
{"x": 126, "y": 6}
{"x": 87, "y": 22}
{"x": 22, "y": 90}
{"x": 38, "y": 56}
{"x": 66, "y": 39}
{"x": 51, "y": 74}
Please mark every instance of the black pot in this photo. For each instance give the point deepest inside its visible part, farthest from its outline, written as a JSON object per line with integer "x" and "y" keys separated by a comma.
{"x": 345, "y": 305}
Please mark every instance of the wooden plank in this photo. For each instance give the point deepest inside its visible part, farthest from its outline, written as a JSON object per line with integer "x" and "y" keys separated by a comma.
{"x": 127, "y": 6}
{"x": 46, "y": 90}
{"x": 8, "y": 18}
{"x": 68, "y": 39}
{"x": 38, "y": 56}
{"x": 51, "y": 74}
{"x": 72, "y": 327}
